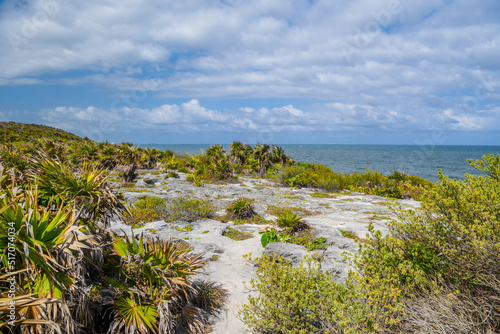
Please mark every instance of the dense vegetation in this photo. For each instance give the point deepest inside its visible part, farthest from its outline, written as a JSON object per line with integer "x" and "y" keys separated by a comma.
{"x": 66, "y": 271}
{"x": 215, "y": 165}
{"x": 60, "y": 264}
{"x": 17, "y": 133}
{"x": 437, "y": 271}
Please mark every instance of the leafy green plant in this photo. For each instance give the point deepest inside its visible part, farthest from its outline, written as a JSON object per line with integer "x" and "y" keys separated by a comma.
{"x": 279, "y": 210}
{"x": 322, "y": 194}
{"x": 298, "y": 300}
{"x": 271, "y": 235}
{"x": 236, "y": 234}
{"x": 187, "y": 228}
{"x": 241, "y": 208}
{"x": 291, "y": 221}
{"x": 153, "y": 287}
{"x": 146, "y": 209}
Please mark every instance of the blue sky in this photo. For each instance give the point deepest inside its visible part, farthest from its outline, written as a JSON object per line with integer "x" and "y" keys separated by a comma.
{"x": 281, "y": 71}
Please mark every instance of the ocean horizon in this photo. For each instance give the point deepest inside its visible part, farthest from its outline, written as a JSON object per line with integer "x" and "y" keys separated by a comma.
{"x": 421, "y": 160}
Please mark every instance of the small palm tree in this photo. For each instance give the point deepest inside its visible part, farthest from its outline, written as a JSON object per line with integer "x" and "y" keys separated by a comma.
{"x": 87, "y": 191}
{"x": 150, "y": 155}
{"x": 262, "y": 155}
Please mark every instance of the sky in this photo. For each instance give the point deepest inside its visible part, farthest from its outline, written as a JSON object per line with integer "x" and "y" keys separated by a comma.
{"x": 279, "y": 71}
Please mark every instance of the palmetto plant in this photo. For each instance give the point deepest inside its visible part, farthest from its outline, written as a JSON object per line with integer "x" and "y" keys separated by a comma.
{"x": 86, "y": 191}
{"x": 47, "y": 249}
{"x": 241, "y": 208}
{"x": 261, "y": 153}
{"x": 25, "y": 306}
{"x": 150, "y": 156}
{"x": 291, "y": 221}
{"x": 153, "y": 286}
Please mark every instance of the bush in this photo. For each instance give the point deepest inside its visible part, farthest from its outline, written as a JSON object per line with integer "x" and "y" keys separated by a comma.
{"x": 437, "y": 270}
{"x": 291, "y": 222}
{"x": 146, "y": 209}
{"x": 241, "y": 209}
{"x": 299, "y": 300}
{"x": 190, "y": 209}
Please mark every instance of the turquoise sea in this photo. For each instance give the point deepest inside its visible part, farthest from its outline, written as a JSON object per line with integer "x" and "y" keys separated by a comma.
{"x": 424, "y": 161}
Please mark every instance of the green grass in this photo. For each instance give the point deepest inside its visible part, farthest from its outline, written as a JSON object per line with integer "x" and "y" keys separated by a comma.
{"x": 352, "y": 235}
{"x": 259, "y": 220}
{"x": 187, "y": 228}
{"x": 276, "y": 210}
{"x": 236, "y": 234}
{"x": 323, "y": 194}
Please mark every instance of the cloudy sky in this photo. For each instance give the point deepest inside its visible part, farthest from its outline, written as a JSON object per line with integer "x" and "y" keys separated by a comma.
{"x": 275, "y": 71}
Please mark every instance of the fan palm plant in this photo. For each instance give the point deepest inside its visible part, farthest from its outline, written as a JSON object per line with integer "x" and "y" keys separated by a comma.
{"x": 261, "y": 153}
{"x": 47, "y": 246}
{"x": 215, "y": 152}
{"x": 278, "y": 156}
{"x": 108, "y": 156}
{"x": 150, "y": 156}
{"x": 87, "y": 191}
{"x": 153, "y": 286}
{"x": 26, "y": 311}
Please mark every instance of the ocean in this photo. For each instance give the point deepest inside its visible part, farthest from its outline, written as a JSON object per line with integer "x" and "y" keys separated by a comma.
{"x": 423, "y": 161}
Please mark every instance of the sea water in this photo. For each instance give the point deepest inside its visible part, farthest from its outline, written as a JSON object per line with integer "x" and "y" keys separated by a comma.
{"x": 423, "y": 161}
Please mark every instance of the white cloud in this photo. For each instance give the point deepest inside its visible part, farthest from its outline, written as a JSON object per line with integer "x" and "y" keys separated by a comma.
{"x": 382, "y": 63}
{"x": 191, "y": 116}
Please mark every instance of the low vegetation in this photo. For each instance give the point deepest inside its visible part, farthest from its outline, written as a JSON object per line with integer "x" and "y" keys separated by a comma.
{"x": 396, "y": 185}
{"x": 293, "y": 230}
{"x": 68, "y": 273}
{"x": 149, "y": 208}
{"x": 236, "y": 234}
{"x": 437, "y": 270}
{"x": 241, "y": 209}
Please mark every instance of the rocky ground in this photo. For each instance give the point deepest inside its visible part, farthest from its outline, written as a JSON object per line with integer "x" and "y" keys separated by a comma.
{"x": 224, "y": 256}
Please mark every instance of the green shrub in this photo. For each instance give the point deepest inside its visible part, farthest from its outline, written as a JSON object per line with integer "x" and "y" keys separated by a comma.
{"x": 301, "y": 300}
{"x": 146, "y": 209}
{"x": 437, "y": 268}
{"x": 241, "y": 209}
{"x": 449, "y": 245}
{"x": 291, "y": 222}
{"x": 189, "y": 209}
